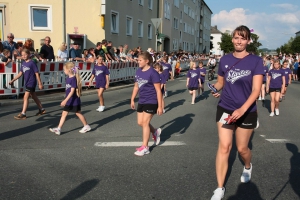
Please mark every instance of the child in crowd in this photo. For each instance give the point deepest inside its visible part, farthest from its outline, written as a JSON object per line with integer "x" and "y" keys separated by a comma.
{"x": 167, "y": 71}
{"x": 101, "y": 74}
{"x": 31, "y": 77}
{"x": 262, "y": 93}
{"x": 158, "y": 67}
{"x": 202, "y": 72}
{"x": 275, "y": 85}
{"x": 288, "y": 78}
{"x": 147, "y": 84}
{"x": 72, "y": 101}
{"x": 193, "y": 81}
{"x": 5, "y": 58}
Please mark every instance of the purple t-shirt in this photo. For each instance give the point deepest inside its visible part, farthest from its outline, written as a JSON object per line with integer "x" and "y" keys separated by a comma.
{"x": 167, "y": 68}
{"x": 287, "y": 72}
{"x": 194, "y": 75}
{"x": 276, "y": 78}
{"x": 100, "y": 73}
{"x": 29, "y": 69}
{"x": 145, "y": 81}
{"x": 162, "y": 78}
{"x": 203, "y": 70}
{"x": 72, "y": 83}
{"x": 266, "y": 70}
{"x": 238, "y": 80}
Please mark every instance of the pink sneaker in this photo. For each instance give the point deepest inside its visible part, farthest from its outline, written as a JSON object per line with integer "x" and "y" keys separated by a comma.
{"x": 156, "y": 136}
{"x": 142, "y": 151}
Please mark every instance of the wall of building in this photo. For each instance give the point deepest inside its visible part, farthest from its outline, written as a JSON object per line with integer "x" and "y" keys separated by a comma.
{"x": 216, "y": 39}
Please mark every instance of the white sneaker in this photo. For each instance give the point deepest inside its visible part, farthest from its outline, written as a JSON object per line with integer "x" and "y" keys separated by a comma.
{"x": 246, "y": 175}
{"x": 271, "y": 114}
{"x": 101, "y": 108}
{"x": 142, "y": 151}
{"x": 98, "y": 109}
{"x": 257, "y": 124}
{"x": 218, "y": 194}
{"x": 166, "y": 93}
{"x": 156, "y": 136}
{"x": 55, "y": 130}
{"x": 259, "y": 98}
{"x": 276, "y": 111}
{"x": 85, "y": 129}
{"x": 164, "y": 111}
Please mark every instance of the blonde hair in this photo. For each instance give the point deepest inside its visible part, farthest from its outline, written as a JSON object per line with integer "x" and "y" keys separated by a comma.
{"x": 75, "y": 70}
{"x": 192, "y": 64}
{"x": 63, "y": 46}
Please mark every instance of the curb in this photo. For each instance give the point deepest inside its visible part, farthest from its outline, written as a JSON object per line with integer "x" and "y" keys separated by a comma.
{"x": 57, "y": 96}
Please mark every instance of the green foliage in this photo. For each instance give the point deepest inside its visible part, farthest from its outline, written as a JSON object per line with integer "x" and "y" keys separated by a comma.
{"x": 295, "y": 46}
{"x": 227, "y": 46}
{"x": 286, "y": 48}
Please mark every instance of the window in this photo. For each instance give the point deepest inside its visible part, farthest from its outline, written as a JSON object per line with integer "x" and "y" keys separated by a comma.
{"x": 184, "y": 27}
{"x": 40, "y": 17}
{"x": 150, "y": 4}
{"x": 176, "y": 3}
{"x": 114, "y": 22}
{"x": 181, "y": 15}
{"x": 167, "y": 10}
{"x": 140, "y": 28}
{"x": 141, "y": 2}
{"x": 128, "y": 25}
{"x": 175, "y": 22}
{"x": 149, "y": 31}
{"x": 175, "y": 44}
{"x": 185, "y": 9}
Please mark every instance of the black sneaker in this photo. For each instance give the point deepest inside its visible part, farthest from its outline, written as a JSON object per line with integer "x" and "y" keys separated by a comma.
{"x": 41, "y": 112}
{"x": 20, "y": 116}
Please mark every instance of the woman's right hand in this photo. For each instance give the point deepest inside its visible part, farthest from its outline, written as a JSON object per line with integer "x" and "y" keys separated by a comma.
{"x": 216, "y": 95}
{"x": 132, "y": 105}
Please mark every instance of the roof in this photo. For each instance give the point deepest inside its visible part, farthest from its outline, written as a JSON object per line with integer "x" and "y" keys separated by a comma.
{"x": 207, "y": 6}
{"x": 214, "y": 30}
{"x": 297, "y": 32}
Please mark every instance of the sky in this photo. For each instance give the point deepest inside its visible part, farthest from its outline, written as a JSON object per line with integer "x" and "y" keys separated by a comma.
{"x": 274, "y": 21}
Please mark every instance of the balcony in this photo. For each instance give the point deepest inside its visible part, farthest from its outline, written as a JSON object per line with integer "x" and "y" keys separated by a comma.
{"x": 201, "y": 27}
{"x": 201, "y": 12}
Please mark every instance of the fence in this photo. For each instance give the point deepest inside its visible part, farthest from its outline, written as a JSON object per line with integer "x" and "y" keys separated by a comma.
{"x": 53, "y": 77}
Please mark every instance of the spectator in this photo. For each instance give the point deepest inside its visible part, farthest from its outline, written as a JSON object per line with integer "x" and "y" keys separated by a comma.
{"x": 122, "y": 54}
{"x": 62, "y": 53}
{"x": 98, "y": 48}
{"x": 75, "y": 54}
{"x": 9, "y": 44}
{"x": 125, "y": 49}
{"x": 5, "y": 58}
{"x": 18, "y": 51}
{"x": 106, "y": 54}
{"x": 91, "y": 57}
{"x": 47, "y": 50}
{"x": 29, "y": 45}
{"x": 111, "y": 51}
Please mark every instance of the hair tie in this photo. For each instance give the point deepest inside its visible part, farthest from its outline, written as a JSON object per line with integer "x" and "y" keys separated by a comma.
{"x": 75, "y": 69}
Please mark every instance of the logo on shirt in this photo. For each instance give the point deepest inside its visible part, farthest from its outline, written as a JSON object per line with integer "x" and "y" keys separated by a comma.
{"x": 193, "y": 74}
{"x": 68, "y": 86}
{"x": 165, "y": 67}
{"x": 141, "y": 82}
{"x": 275, "y": 75}
{"x": 286, "y": 72}
{"x": 226, "y": 66}
{"x": 25, "y": 69}
{"x": 236, "y": 75}
{"x": 97, "y": 72}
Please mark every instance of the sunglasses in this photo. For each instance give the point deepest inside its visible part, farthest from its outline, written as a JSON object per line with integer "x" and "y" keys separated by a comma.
{"x": 10, "y": 37}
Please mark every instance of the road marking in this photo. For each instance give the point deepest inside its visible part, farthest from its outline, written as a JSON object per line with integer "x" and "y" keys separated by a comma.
{"x": 135, "y": 144}
{"x": 263, "y": 136}
{"x": 277, "y": 140}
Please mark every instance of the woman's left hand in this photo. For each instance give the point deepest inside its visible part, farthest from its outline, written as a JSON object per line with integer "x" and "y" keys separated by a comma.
{"x": 237, "y": 114}
{"x": 63, "y": 103}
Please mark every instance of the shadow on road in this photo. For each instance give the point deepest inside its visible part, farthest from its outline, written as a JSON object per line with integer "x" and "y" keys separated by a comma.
{"x": 81, "y": 190}
{"x": 246, "y": 191}
{"x": 172, "y": 93}
{"x": 174, "y": 104}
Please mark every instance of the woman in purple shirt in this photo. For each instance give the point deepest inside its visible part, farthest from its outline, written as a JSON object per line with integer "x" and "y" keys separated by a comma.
{"x": 72, "y": 101}
{"x": 240, "y": 77}
{"x": 262, "y": 93}
{"x": 31, "y": 76}
{"x": 275, "y": 85}
{"x": 147, "y": 84}
{"x": 193, "y": 81}
{"x": 288, "y": 78}
{"x": 202, "y": 72}
{"x": 167, "y": 71}
{"x": 101, "y": 73}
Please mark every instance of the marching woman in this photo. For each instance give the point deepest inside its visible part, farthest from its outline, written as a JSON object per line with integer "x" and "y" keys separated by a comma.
{"x": 167, "y": 71}
{"x": 240, "y": 77}
{"x": 275, "y": 86}
{"x": 193, "y": 81}
{"x": 288, "y": 77}
{"x": 202, "y": 71}
{"x": 72, "y": 101}
{"x": 147, "y": 84}
{"x": 101, "y": 73}
{"x": 263, "y": 87}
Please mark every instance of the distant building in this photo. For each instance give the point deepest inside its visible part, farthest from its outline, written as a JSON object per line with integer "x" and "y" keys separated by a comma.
{"x": 217, "y": 35}
{"x": 297, "y": 34}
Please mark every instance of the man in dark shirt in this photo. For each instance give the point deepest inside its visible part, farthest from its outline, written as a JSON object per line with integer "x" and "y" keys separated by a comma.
{"x": 47, "y": 50}
{"x": 75, "y": 53}
{"x": 98, "y": 48}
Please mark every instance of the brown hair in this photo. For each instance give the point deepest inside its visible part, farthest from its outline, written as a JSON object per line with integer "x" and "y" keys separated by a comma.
{"x": 243, "y": 31}
{"x": 146, "y": 55}
{"x": 26, "y": 51}
{"x": 158, "y": 66}
{"x": 71, "y": 67}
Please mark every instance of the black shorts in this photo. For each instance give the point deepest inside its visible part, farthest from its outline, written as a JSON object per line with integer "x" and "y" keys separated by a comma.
{"x": 30, "y": 89}
{"x": 193, "y": 88}
{"x": 247, "y": 121}
{"x": 163, "y": 90}
{"x": 264, "y": 82}
{"x": 69, "y": 108}
{"x": 286, "y": 85}
{"x": 274, "y": 90}
{"x": 147, "y": 108}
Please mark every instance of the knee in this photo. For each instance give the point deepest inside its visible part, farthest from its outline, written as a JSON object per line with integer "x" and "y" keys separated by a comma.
{"x": 140, "y": 123}
{"x": 242, "y": 150}
{"x": 224, "y": 149}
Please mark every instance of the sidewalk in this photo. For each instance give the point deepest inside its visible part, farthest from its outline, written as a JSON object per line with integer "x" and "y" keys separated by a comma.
{"x": 59, "y": 94}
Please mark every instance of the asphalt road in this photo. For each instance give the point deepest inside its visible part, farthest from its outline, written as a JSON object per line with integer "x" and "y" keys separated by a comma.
{"x": 37, "y": 164}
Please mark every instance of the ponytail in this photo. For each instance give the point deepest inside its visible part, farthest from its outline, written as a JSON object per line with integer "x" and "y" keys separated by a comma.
{"x": 75, "y": 70}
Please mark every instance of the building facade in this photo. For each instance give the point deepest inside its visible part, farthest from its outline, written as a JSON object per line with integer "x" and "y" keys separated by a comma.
{"x": 297, "y": 34}
{"x": 216, "y": 38}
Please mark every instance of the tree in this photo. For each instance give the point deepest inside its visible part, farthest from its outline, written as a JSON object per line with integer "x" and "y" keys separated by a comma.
{"x": 295, "y": 46}
{"x": 254, "y": 45}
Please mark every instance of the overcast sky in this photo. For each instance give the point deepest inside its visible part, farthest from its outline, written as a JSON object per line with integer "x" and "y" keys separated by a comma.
{"x": 274, "y": 21}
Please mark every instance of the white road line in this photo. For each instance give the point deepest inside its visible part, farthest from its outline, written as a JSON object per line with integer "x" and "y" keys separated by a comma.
{"x": 277, "y": 140}
{"x": 135, "y": 144}
{"x": 263, "y": 136}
